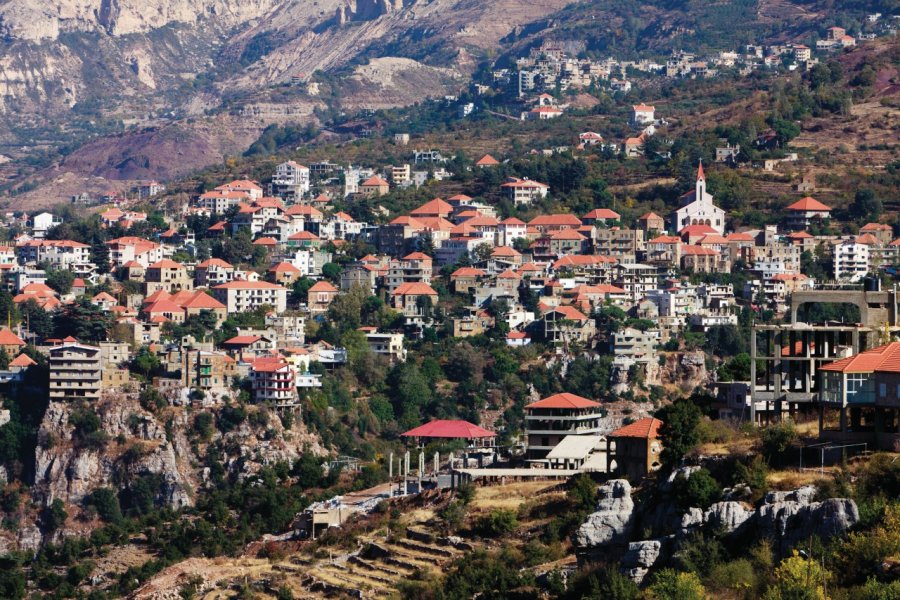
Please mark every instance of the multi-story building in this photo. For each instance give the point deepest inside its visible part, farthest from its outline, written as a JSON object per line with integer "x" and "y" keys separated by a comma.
{"x": 623, "y": 244}
{"x": 75, "y": 372}
{"x": 60, "y": 254}
{"x": 166, "y": 275}
{"x": 130, "y": 248}
{"x": 412, "y": 268}
{"x": 208, "y": 371}
{"x": 636, "y": 279}
{"x": 633, "y": 346}
{"x": 320, "y": 296}
{"x": 273, "y": 380}
{"x": 415, "y": 301}
{"x": 549, "y": 421}
{"x": 851, "y": 260}
{"x": 245, "y": 296}
{"x": 523, "y": 192}
{"x": 291, "y": 180}
{"x": 389, "y": 345}
{"x": 213, "y": 271}
{"x": 804, "y": 212}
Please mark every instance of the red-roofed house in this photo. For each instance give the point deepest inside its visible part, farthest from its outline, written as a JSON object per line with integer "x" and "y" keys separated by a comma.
{"x": 320, "y": 296}
{"x": 433, "y": 208}
{"x": 10, "y": 342}
{"x": 486, "y": 161}
{"x": 549, "y": 421}
{"x": 374, "y": 186}
{"x": 865, "y": 388}
{"x": 642, "y": 114}
{"x": 273, "y": 380}
{"x": 415, "y": 301}
{"x": 651, "y": 221}
{"x": 213, "y": 271}
{"x": 168, "y": 275}
{"x": 465, "y": 279}
{"x": 883, "y": 233}
{"x": 564, "y": 325}
{"x": 802, "y": 213}
{"x": 600, "y": 215}
{"x": 636, "y": 449}
{"x": 523, "y": 192}
{"x": 284, "y": 273}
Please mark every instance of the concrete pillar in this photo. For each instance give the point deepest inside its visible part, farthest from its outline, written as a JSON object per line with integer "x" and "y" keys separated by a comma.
{"x": 391, "y": 467}
{"x": 753, "y": 353}
{"x": 843, "y": 419}
{"x": 437, "y": 463}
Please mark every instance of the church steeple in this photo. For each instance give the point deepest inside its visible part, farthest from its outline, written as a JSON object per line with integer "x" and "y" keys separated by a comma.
{"x": 701, "y": 183}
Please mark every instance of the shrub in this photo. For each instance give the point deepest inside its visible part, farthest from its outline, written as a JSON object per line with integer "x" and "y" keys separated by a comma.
{"x": 105, "y": 501}
{"x": 669, "y": 584}
{"x": 700, "y": 554}
{"x": 700, "y": 490}
{"x": 499, "y": 522}
{"x": 777, "y": 438}
{"x": 203, "y": 425}
{"x": 616, "y": 586}
{"x": 735, "y": 576}
{"x": 755, "y": 475}
{"x": 861, "y": 554}
{"x": 55, "y": 515}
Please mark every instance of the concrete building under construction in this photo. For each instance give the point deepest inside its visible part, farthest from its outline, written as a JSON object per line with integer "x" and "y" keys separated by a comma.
{"x": 785, "y": 359}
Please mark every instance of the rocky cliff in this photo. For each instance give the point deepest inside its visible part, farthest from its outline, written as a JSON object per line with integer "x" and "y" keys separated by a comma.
{"x": 784, "y": 518}
{"x": 129, "y": 443}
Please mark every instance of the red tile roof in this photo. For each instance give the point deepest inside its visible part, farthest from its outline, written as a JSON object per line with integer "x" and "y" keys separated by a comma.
{"x": 645, "y": 428}
{"x": 884, "y": 358}
{"x": 808, "y": 204}
{"x": 415, "y": 288}
{"x": 8, "y": 338}
{"x": 444, "y": 428}
{"x": 487, "y": 160}
{"x": 564, "y": 400}
{"x": 603, "y": 213}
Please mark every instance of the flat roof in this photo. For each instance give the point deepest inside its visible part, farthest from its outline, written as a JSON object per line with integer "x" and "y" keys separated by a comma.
{"x": 575, "y": 447}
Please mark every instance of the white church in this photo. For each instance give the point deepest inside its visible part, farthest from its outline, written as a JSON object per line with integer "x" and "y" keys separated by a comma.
{"x": 697, "y": 208}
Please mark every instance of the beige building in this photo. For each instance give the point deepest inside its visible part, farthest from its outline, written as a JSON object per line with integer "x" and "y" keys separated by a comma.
{"x": 75, "y": 372}
{"x": 244, "y": 296}
{"x": 166, "y": 275}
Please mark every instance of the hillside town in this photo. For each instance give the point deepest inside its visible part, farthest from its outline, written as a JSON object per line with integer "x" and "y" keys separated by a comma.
{"x": 451, "y": 267}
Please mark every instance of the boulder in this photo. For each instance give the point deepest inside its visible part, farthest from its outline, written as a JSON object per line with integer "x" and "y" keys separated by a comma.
{"x": 642, "y": 554}
{"x": 613, "y": 520}
{"x": 637, "y": 574}
{"x": 692, "y": 518}
{"x": 727, "y": 516}
{"x": 684, "y": 472}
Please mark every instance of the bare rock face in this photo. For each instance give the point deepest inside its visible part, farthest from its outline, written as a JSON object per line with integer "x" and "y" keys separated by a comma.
{"x": 69, "y": 472}
{"x": 37, "y": 21}
{"x": 727, "y": 516}
{"x": 614, "y": 519}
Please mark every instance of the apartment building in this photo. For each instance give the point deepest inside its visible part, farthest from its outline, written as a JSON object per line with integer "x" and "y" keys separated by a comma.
{"x": 75, "y": 372}
{"x": 245, "y": 296}
{"x": 550, "y": 420}
{"x": 851, "y": 260}
{"x": 412, "y": 268}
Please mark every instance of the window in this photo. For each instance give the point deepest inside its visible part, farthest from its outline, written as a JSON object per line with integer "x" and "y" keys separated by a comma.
{"x": 882, "y": 389}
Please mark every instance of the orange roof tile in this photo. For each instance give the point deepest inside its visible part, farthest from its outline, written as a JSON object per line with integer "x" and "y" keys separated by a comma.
{"x": 644, "y": 428}
{"x": 563, "y": 400}
{"x": 809, "y": 204}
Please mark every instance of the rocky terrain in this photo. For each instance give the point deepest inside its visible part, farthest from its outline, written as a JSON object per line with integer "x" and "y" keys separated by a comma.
{"x": 136, "y": 443}
{"x": 786, "y": 517}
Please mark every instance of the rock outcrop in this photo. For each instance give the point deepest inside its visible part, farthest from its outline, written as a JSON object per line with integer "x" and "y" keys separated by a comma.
{"x": 133, "y": 444}
{"x": 613, "y": 520}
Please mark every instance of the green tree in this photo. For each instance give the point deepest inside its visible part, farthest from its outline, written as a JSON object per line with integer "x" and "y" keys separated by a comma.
{"x": 678, "y": 430}
{"x": 84, "y": 321}
{"x": 700, "y": 490}
{"x": 37, "y": 320}
{"x": 55, "y": 515}
{"x": 60, "y": 280}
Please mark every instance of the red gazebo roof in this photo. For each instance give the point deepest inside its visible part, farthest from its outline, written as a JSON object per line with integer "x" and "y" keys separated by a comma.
{"x": 444, "y": 428}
